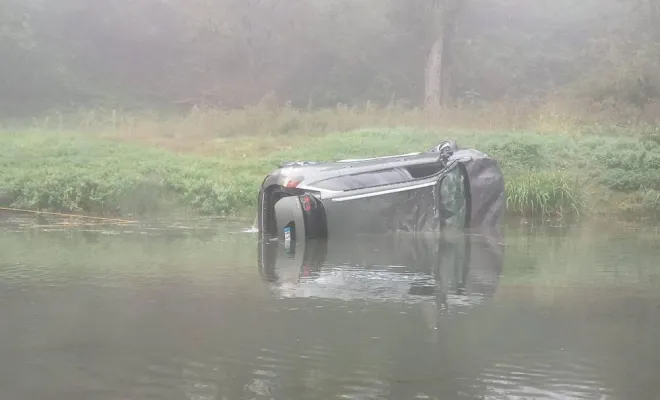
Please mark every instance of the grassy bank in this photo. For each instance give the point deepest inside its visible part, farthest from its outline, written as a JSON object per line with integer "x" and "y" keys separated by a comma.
{"x": 115, "y": 172}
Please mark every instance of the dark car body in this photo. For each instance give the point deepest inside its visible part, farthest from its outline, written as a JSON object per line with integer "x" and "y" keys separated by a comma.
{"x": 444, "y": 186}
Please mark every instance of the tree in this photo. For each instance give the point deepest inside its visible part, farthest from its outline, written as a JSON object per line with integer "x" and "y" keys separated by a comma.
{"x": 439, "y": 66}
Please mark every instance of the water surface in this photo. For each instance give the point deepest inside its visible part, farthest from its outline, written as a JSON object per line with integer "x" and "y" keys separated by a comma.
{"x": 198, "y": 310}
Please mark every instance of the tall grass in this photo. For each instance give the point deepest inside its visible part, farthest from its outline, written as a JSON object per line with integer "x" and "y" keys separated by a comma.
{"x": 205, "y": 129}
{"x": 212, "y": 161}
{"x": 74, "y": 173}
{"x": 544, "y": 194}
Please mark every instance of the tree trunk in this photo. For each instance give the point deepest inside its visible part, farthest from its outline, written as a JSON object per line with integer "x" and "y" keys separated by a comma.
{"x": 449, "y": 20}
{"x": 439, "y": 63}
{"x": 433, "y": 79}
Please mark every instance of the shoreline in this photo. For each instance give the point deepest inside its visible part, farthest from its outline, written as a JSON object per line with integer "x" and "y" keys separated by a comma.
{"x": 549, "y": 177}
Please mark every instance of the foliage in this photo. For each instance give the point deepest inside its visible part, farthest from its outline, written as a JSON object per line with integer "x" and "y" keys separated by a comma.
{"x": 630, "y": 166}
{"x": 544, "y": 194}
{"x": 642, "y": 202}
{"x": 79, "y": 174}
{"x": 596, "y": 56}
{"x": 547, "y": 175}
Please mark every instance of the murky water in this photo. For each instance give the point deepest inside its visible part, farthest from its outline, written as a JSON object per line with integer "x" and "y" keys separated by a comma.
{"x": 197, "y": 311}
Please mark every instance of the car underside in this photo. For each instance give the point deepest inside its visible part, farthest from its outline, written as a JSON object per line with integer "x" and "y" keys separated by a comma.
{"x": 426, "y": 191}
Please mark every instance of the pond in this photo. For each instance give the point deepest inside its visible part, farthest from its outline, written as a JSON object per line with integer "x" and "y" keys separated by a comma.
{"x": 196, "y": 309}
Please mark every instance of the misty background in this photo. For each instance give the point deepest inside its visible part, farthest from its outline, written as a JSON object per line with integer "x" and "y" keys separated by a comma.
{"x": 597, "y": 57}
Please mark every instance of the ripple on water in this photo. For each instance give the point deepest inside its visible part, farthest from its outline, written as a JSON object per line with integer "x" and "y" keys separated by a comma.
{"x": 543, "y": 376}
{"x": 19, "y": 273}
{"x": 266, "y": 374}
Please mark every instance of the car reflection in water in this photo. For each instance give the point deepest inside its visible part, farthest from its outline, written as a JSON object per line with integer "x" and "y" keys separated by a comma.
{"x": 453, "y": 270}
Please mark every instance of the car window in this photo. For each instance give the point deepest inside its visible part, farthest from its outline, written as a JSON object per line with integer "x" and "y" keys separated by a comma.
{"x": 368, "y": 179}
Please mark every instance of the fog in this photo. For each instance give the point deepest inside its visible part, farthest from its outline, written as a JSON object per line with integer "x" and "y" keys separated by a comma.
{"x": 67, "y": 54}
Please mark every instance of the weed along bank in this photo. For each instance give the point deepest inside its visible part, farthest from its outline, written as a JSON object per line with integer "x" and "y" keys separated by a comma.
{"x": 548, "y": 176}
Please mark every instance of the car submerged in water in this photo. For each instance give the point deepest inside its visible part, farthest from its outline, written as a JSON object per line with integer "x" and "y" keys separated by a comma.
{"x": 445, "y": 186}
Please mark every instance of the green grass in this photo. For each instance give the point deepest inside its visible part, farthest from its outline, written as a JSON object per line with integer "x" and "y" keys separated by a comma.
{"x": 544, "y": 194}
{"x": 65, "y": 172}
{"x": 547, "y": 175}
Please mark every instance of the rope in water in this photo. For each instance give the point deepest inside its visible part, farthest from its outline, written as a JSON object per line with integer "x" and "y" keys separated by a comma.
{"x": 66, "y": 215}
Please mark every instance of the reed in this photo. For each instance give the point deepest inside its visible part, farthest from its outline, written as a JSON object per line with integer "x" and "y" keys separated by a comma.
{"x": 544, "y": 194}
